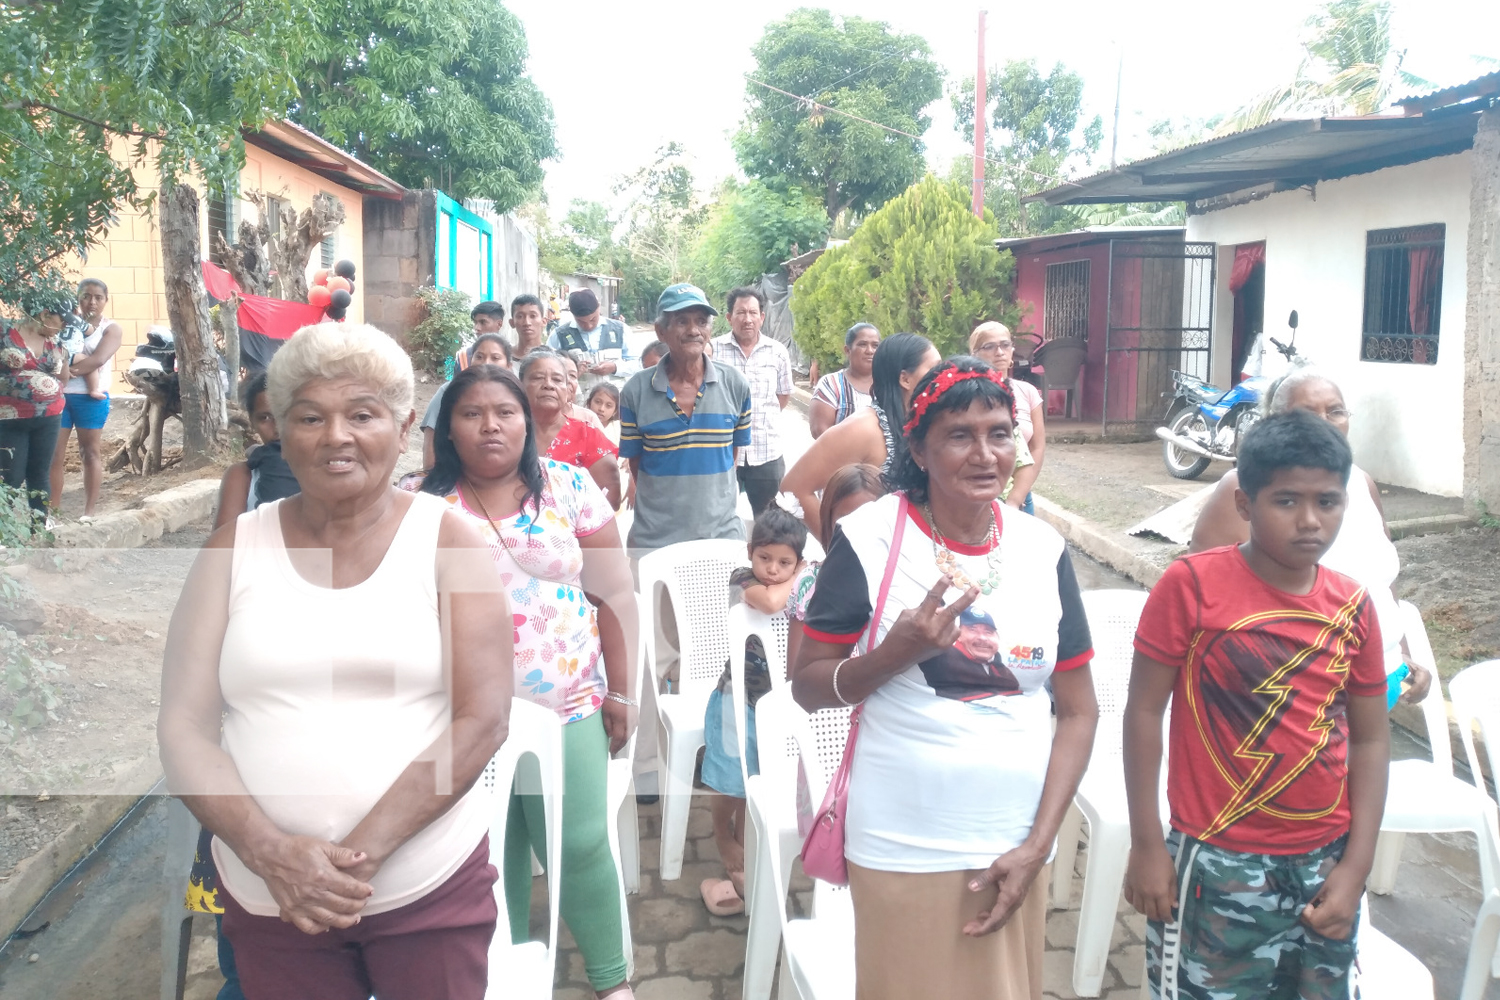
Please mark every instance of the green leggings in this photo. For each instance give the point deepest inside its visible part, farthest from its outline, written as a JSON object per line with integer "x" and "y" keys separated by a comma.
{"x": 590, "y": 899}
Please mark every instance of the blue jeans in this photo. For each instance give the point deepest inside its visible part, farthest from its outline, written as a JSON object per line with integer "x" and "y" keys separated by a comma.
{"x": 1028, "y": 506}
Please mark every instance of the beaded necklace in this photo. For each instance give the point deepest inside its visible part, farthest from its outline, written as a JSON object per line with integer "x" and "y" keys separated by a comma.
{"x": 948, "y": 563}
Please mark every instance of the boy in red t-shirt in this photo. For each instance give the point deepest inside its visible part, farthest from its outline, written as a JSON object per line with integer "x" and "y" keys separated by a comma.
{"x": 1279, "y": 743}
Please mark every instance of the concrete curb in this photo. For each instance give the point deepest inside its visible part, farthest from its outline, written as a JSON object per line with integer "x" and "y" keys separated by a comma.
{"x": 1440, "y": 524}
{"x": 170, "y": 510}
{"x": 1098, "y": 542}
{"x": 36, "y": 876}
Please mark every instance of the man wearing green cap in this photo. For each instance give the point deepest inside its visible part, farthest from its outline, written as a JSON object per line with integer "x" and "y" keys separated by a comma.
{"x": 681, "y": 426}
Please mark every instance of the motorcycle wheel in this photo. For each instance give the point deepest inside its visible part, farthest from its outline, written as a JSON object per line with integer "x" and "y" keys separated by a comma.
{"x": 1185, "y": 464}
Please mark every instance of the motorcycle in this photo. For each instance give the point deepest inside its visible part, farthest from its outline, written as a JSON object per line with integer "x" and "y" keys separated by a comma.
{"x": 1205, "y": 423}
{"x": 157, "y": 354}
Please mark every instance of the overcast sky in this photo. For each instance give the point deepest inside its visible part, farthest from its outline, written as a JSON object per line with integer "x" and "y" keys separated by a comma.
{"x": 626, "y": 76}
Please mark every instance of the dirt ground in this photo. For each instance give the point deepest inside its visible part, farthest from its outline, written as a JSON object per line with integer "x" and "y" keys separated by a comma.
{"x": 125, "y": 490}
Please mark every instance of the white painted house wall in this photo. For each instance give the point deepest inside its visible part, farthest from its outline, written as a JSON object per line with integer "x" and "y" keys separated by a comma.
{"x": 1407, "y": 427}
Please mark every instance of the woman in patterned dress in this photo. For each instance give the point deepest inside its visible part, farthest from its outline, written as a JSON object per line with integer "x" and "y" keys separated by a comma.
{"x": 552, "y": 532}
{"x": 33, "y": 368}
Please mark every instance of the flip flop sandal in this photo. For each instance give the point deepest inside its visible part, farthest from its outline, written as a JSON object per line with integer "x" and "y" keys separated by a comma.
{"x": 720, "y": 898}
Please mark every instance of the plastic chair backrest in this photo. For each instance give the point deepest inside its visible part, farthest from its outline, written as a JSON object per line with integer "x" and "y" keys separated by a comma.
{"x": 812, "y": 550}
{"x": 780, "y": 725}
{"x": 534, "y": 731}
{"x": 1113, "y": 616}
{"x": 1026, "y": 345}
{"x": 745, "y": 621}
{"x": 1062, "y": 358}
{"x": 1475, "y": 692}
{"x": 642, "y": 665}
{"x": 695, "y": 576}
{"x": 828, "y": 731}
{"x": 1434, "y": 712}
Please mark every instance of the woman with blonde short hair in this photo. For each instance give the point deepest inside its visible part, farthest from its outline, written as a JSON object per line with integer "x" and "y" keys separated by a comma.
{"x": 337, "y": 676}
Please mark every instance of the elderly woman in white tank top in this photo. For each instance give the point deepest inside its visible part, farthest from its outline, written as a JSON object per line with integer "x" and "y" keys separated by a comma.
{"x": 354, "y": 643}
{"x": 1362, "y": 551}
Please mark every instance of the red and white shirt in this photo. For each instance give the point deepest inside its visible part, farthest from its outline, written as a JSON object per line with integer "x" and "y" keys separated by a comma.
{"x": 952, "y": 753}
{"x": 1259, "y": 735}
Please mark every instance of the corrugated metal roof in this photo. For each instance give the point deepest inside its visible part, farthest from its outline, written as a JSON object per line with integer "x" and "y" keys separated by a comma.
{"x": 306, "y": 149}
{"x": 1483, "y": 86}
{"x": 1284, "y": 154}
{"x": 1086, "y": 234}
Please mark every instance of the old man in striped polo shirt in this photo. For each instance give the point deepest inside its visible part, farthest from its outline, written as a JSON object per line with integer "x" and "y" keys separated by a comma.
{"x": 681, "y": 426}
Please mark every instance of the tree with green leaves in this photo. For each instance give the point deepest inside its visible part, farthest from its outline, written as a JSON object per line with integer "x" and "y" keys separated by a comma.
{"x": 751, "y": 229}
{"x": 1348, "y": 67}
{"x": 663, "y": 219}
{"x": 432, "y": 92}
{"x": 583, "y": 242}
{"x": 1036, "y": 136}
{"x": 91, "y": 90}
{"x": 923, "y": 263}
{"x": 835, "y": 68}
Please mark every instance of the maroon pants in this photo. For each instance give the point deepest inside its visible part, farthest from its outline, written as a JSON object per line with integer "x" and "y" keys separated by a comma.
{"x": 436, "y": 948}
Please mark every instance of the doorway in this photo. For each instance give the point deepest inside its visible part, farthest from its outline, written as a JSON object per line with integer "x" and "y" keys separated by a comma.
{"x": 1247, "y": 283}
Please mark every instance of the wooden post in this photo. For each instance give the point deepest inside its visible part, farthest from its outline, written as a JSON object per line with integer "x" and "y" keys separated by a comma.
{"x": 203, "y": 416}
{"x": 981, "y": 112}
{"x": 229, "y": 328}
{"x": 1481, "y": 343}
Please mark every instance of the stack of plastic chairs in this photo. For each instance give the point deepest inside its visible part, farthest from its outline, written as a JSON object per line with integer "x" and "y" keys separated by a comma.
{"x": 817, "y": 952}
{"x": 695, "y": 576}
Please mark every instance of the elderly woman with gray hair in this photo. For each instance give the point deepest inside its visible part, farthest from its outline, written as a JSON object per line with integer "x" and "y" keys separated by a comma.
{"x": 1362, "y": 550}
{"x": 337, "y": 676}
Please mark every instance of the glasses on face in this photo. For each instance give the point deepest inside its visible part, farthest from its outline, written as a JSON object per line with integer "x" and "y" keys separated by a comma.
{"x": 997, "y": 347}
{"x": 1336, "y": 414}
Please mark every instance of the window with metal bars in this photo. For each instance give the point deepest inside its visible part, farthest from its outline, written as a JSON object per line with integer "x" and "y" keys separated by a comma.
{"x": 325, "y": 251}
{"x": 221, "y": 222}
{"x": 273, "y": 217}
{"x": 1403, "y": 294}
{"x": 1066, "y": 311}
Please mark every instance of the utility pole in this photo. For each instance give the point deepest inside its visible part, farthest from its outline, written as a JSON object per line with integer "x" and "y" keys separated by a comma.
{"x": 981, "y": 112}
{"x": 1114, "y": 139}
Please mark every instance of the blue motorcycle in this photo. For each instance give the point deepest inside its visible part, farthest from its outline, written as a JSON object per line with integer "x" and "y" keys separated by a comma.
{"x": 1205, "y": 423}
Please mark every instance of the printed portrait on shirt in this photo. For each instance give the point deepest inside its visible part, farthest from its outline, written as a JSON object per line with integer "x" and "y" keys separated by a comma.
{"x": 971, "y": 669}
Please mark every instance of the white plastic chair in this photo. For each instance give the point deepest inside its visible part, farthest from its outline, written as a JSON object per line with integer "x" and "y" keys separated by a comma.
{"x": 1426, "y": 796}
{"x": 1113, "y": 616}
{"x": 786, "y": 735}
{"x": 526, "y": 970}
{"x": 1385, "y": 970}
{"x": 1482, "y": 949}
{"x": 695, "y": 576}
{"x": 818, "y": 953}
{"x": 176, "y": 919}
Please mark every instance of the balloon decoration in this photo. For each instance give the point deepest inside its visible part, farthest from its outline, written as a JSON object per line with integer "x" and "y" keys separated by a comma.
{"x": 336, "y": 284}
{"x": 320, "y": 276}
{"x": 338, "y": 304}
{"x": 344, "y": 269}
{"x": 318, "y": 295}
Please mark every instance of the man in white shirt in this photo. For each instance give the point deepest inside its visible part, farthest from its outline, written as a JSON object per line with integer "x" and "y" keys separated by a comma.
{"x": 602, "y": 340}
{"x": 767, "y": 366}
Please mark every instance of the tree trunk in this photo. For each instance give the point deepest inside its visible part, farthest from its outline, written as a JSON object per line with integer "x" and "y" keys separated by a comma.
{"x": 229, "y": 329}
{"x": 203, "y": 414}
{"x": 299, "y": 236}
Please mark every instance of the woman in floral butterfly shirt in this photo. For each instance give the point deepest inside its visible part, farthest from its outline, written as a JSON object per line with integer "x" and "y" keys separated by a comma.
{"x": 552, "y": 532}
{"x": 33, "y": 368}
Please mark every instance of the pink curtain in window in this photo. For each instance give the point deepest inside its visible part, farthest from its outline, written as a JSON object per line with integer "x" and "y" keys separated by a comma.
{"x": 1425, "y": 266}
{"x": 1246, "y": 256}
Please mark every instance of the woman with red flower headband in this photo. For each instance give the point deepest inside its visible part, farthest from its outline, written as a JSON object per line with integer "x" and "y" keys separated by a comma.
{"x": 953, "y": 612}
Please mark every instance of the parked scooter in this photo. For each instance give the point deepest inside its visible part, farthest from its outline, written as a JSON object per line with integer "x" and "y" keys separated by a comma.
{"x": 1205, "y": 423}
{"x": 158, "y": 353}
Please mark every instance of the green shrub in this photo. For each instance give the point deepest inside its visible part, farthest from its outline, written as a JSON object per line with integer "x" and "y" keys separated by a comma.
{"x": 921, "y": 264}
{"x": 445, "y": 326}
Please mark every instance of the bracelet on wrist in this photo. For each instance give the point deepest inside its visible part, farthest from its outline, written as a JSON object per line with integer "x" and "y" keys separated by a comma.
{"x": 620, "y": 699}
{"x": 836, "y": 692}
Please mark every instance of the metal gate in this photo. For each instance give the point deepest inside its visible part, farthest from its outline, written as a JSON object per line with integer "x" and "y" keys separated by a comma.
{"x": 1161, "y": 298}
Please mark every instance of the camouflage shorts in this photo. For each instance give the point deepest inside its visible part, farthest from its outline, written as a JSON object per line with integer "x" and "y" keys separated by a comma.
{"x": 1239, "y": 934}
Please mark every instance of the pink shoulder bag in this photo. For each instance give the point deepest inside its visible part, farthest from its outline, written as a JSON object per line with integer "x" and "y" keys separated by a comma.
{"x": 823, "y": 850}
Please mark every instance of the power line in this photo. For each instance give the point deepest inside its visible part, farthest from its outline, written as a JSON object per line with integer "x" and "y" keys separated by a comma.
{"x": 815, "y": 105}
